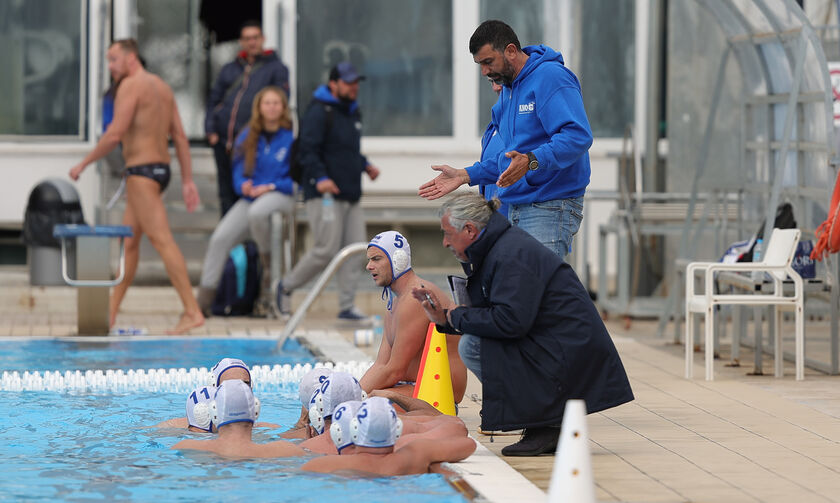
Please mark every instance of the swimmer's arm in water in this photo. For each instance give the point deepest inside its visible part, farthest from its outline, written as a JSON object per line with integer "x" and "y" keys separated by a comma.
{"x": 178, "y": 422}
{"x": 182, "y": 150}
{"x": 124, "y": 107}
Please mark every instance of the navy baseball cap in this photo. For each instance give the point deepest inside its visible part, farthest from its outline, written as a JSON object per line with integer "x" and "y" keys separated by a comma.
{"x": 346, "y": 72}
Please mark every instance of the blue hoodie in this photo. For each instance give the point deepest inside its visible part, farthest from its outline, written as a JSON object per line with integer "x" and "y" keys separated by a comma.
{"x": 541, "y": 112}
{"x": 271, "y": 164}
{"x": 491, "y": 146}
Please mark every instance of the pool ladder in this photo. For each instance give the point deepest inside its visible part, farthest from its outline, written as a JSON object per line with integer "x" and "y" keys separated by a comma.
{"x": 336, "y": 262}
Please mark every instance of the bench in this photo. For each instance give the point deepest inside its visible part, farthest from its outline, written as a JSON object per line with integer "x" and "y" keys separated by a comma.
{"x": 86, "y": 254}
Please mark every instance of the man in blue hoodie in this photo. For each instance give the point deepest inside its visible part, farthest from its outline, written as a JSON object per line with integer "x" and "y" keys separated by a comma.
{"x": 543, "y": 171}
{"x": 229, "y": 103}
{"x": 329, "y": 149}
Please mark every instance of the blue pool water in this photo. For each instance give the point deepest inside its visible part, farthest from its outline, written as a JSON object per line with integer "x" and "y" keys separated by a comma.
{"x": 98, "y": 446}
{"x": 110, "y": 353}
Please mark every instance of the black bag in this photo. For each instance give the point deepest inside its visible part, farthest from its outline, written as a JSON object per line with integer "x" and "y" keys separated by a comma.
{"x": 240, "y": 283}
{"x": 784, "y": 220}
{"x": 295, "y": 166}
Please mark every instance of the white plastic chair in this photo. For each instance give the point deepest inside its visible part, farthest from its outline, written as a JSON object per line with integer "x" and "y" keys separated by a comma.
{"x": 777, "y": 261}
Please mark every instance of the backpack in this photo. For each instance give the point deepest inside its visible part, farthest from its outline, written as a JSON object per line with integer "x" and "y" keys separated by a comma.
{"x": 295, "y": 166}
{"x": 240, "y": 283}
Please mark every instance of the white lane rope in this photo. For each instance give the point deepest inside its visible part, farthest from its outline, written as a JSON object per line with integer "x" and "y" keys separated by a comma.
{"x": 175, "y": 380}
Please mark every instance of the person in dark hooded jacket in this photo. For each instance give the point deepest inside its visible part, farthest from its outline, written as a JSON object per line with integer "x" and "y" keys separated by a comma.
{"x": 329, "y": 149}
{"x": 229, "y": 103}
{"x": 530, "y": 334}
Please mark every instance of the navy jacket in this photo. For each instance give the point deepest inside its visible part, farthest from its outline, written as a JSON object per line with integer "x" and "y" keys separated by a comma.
{"x": 331, "y": 150}
{"x": 542, "y": 340}
{"x": 233, "y": 83}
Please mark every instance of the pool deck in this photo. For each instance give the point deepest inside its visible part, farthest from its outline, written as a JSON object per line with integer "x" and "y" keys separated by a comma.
{"x": 738, "y": 438}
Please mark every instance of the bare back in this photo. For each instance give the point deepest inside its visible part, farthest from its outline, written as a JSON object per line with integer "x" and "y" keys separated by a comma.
{"x": 146, "y": 141}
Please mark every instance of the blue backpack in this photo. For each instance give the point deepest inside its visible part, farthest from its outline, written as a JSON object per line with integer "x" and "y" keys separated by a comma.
{"x": 240, "y": 283}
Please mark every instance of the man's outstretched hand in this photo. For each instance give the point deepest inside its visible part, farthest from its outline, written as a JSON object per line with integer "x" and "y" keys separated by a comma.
{"x": 448, "y": 180}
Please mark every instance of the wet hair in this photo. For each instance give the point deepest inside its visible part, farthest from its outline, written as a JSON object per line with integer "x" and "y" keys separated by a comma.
{"x": 128, "y": 45}
{"x": 251, "y": 23}
{"x": 496, "y": 33}
{"x": 469, "y": 207}
{"x": 256, "y": 126}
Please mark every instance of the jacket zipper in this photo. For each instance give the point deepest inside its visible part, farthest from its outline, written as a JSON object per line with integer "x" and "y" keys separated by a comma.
{"x": 235, "y": 107}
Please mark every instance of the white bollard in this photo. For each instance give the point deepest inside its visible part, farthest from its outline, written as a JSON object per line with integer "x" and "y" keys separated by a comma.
{"x": 571, "y": 479}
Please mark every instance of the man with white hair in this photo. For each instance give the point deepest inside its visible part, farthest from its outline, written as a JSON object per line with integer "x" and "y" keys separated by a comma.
{"x": 530, "y": 332}
{"x": 234, "y": 409}
{"x": 405, "y": 323}
{"x": 373, "y": 433}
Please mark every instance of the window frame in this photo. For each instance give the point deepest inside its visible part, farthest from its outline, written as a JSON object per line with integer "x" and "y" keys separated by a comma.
{"x": 85, "y": 44}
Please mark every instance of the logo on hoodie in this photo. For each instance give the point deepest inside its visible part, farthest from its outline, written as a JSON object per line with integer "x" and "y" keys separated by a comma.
{"x": 526, "y": 108}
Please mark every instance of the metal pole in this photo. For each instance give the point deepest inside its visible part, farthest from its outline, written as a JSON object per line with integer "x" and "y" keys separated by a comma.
{"x": 339, "y": 259}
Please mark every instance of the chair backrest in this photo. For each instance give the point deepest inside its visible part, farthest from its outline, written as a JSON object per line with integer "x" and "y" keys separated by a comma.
{"x": 781, "y": 249}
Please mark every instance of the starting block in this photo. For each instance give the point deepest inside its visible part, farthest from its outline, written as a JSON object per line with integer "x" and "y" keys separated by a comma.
{"x": 86, "y": 265}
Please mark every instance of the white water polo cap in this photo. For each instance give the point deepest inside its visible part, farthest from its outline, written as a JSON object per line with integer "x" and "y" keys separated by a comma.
{"x": 337, "y": 388}
{"x": 224, "y": 365}
{"x": 376, "y": 424}
{"x": 311, "y": 381}
{"x": 234, "y": 403}
{"x": 396, "y": 248}
{"x": 198, "y": 408}
{"x": 342, "y": 417}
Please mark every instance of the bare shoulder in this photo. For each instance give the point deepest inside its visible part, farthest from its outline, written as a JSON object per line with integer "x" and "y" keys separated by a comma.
{"x": 190, "y": 443}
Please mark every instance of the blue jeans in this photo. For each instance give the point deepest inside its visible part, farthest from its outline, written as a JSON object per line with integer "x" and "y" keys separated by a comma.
{"x": 469, "y": 348}
{"x": 553, "y": 223}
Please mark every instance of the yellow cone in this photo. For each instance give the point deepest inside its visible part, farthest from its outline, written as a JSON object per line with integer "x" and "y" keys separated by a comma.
{"x": 434, "y": 382}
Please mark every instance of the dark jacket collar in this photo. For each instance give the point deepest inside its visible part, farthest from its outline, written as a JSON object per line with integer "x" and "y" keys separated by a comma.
{"x": 496, "y": 226}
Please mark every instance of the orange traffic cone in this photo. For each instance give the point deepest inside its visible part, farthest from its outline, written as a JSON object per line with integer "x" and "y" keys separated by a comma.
{"x": 434, "y": 382}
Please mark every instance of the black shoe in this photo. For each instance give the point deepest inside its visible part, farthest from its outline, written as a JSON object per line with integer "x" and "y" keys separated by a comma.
{"x": 534, "y": 442}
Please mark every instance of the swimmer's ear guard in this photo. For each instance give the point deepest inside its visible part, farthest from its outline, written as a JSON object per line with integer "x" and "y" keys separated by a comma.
{"x": 203, "y": 416}
{"x": 316, "y": 413}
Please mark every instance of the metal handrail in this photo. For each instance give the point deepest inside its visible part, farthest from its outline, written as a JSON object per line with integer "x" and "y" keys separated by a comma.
{"x": 325, "y": 276}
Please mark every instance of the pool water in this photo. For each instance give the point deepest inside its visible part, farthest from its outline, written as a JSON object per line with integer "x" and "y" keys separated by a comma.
{"x": 99, "y": 447}
{"x": 144, "y": 353}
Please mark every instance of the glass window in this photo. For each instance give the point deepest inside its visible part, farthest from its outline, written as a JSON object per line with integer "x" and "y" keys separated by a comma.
{"x": 401, "y": 46}
{"x": 526, "y": 19}
{"x": 42, "y": 83}
{"x": 172, "y": 43}
{"x": 606, "y": 65}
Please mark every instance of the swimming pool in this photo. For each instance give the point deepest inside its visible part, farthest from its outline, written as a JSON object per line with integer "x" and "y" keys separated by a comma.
{"x": 96, "y": 445}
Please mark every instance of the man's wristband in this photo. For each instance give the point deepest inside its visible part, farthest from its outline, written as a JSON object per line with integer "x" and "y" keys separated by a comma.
{"x": 446, "y": 315}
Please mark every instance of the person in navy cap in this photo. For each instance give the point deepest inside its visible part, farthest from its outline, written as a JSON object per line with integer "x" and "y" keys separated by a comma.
{"x": 329, "y": 150}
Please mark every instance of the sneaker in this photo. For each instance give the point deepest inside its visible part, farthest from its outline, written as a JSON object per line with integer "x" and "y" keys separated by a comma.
{"x": 283, "y": 299}
{"x": 353, "y": 314}
{"x": 534, "y": 442}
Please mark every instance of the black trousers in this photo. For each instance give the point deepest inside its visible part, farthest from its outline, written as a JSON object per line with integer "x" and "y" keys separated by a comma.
{"x": 224, "y": 177}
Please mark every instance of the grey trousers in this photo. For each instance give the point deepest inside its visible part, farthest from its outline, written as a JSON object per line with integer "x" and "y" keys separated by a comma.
{"x": 244, "y": 218}
{"x": 347, "y": 227}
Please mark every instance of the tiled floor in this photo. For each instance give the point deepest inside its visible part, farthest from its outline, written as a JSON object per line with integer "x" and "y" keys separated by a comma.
{"x": 738, "y": 438}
